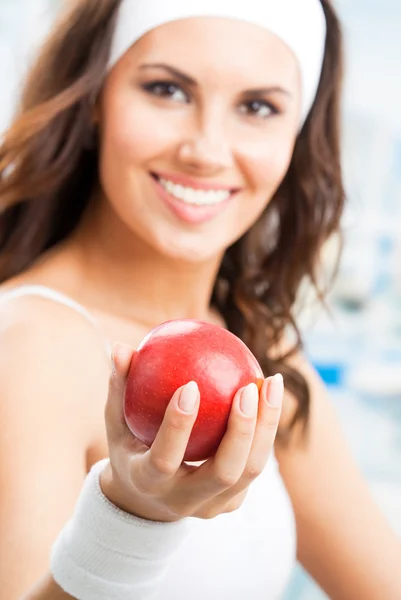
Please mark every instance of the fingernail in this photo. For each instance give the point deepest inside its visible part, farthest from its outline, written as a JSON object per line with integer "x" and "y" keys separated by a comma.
{"x": 275, "y": 391}
{"x": 113, "y": 356}
{"x": 113, "y": 365}
{"x": 249, "y": 400}
{"x": 188, "y": 397}
{"x": 121, "y": 353}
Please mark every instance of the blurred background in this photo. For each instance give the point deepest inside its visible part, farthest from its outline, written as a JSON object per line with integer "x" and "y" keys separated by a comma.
{"x": 356, "y": 345}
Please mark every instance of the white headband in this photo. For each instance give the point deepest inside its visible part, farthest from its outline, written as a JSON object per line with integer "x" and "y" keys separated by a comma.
{"x": 301, "y": 24}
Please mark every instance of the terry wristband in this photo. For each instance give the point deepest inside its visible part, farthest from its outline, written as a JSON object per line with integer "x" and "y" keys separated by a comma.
{"x": 104, "y": 553}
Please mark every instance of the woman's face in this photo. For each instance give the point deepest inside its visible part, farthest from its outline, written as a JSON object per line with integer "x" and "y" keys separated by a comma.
{"x": 198, "y": 123}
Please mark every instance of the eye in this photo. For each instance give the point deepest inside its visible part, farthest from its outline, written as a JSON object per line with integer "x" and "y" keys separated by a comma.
{"x": 168, "y": 90}
{"x": 258, "y": 108}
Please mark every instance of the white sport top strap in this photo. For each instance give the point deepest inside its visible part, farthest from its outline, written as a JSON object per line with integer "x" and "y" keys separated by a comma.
{"x": 55, "y": 296}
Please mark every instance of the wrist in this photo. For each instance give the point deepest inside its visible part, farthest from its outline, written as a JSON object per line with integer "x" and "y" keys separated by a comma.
{"x": 111, "y": 490}
{"x": 104, "y": 553}
{"x": 115, "y": 493}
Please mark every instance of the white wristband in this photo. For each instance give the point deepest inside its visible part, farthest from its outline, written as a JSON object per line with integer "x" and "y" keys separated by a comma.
{"x": 104, "y": 553}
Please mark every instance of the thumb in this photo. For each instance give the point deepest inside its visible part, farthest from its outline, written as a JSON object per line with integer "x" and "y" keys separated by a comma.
{"x": 122, "y": 356}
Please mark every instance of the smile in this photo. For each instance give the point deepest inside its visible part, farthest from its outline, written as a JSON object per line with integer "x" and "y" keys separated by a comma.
{"x": 193, "y": 196}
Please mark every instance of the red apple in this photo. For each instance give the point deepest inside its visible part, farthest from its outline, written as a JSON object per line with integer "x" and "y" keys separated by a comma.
{"x": 170, "y": 356}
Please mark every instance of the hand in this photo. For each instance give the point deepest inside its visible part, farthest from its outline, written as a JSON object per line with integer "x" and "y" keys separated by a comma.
{"x": 154, "y": 483}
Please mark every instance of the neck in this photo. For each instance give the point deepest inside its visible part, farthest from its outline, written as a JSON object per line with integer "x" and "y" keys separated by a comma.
{"x": 135, "y": 282}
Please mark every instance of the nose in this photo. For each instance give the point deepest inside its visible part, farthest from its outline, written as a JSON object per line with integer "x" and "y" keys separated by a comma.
{"x": 206, "y": 150}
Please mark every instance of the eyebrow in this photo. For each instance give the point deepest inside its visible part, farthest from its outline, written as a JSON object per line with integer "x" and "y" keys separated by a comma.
{"x": 191, "y": 82}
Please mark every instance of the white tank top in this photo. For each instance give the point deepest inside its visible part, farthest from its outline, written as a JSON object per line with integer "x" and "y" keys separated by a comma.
{"x": 248, "y": 554}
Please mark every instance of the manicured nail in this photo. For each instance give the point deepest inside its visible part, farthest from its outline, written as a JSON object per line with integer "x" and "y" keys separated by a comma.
{"x": 275, "y": 391}
{"x": 121, "y": 353}
{"x": 188, "y": 397}
{"x": 113, "y": 365}
{"x": 249, "y": 400}
{"x": 114, "y": 353}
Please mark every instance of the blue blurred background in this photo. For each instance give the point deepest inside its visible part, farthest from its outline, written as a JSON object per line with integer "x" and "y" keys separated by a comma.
{"x": 357, "y": 347}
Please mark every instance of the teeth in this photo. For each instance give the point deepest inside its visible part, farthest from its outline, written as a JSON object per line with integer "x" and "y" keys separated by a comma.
{"x": 191, "y": 196}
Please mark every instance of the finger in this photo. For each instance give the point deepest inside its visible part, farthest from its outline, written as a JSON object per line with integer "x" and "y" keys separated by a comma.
{"x": 226, "y": 467}
{"x": 271, "y": 398}
{"x": 167, "y": 451}
{"x": 215, "y": 507}
{"x": 114, "y": 410}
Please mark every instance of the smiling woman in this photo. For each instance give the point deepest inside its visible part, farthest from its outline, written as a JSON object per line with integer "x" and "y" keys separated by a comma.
{"x": 173, "y": 160}
{"x": 201, "y": 134}
{"x": 224, "y": 131}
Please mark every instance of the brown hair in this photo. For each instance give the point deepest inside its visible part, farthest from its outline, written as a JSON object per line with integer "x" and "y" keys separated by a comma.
{"x": 48, "y": 168}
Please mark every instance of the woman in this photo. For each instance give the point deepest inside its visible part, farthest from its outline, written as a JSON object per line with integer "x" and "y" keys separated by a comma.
{"x": 174, "y": 160}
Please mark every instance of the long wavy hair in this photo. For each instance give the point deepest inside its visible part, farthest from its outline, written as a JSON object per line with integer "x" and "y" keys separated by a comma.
{"x": 48, "y": 169}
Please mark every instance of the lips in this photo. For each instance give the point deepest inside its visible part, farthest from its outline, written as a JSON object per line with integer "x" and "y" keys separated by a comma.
{"x": 193, "y": 183}
{"x": 191, "y": 205}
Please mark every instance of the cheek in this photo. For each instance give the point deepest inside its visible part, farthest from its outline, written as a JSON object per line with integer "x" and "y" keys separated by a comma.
{"x": 132, "y": 132}
{"x": 267, "y": 164}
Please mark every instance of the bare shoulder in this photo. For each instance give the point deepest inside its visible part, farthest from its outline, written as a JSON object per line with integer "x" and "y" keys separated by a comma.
{"x": 324, "y": 431}
{"x": 55, "y": 351}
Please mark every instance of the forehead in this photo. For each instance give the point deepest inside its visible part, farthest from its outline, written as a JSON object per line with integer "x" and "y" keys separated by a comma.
{"x": 213, "y": 44}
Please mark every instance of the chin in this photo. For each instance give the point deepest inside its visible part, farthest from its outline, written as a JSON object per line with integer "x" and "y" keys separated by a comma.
{"x": 185, "y": 249}
{"x": 190, "y": 254}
